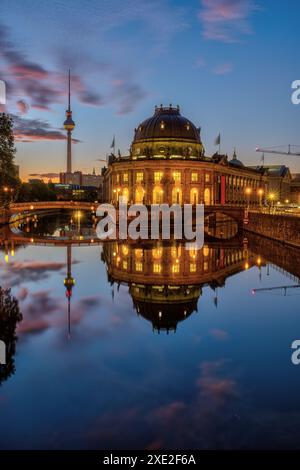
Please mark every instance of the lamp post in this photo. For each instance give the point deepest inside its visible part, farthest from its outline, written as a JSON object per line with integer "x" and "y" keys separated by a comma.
{"x": 271, "y": 197}
{"x": 248, "y": 193}
{"x": 260, "y": 193}
{"x": 8, "y": 194}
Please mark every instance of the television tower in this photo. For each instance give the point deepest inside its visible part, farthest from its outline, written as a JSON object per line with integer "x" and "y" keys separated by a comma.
{"x": 69, "y": 283}
{"x": 69, "y": 125}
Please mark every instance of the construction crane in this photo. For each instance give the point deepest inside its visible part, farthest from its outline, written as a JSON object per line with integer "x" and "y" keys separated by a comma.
{"x": 277, "y": 150}
{"x": 279, "y": 288}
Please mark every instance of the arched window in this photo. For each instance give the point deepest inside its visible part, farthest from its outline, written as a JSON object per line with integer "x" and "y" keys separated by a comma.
{"x": 207, "y": 200}
{"x": 125, "y": 194}
{"x": 157, "y": 195}
{"x": 194, "y": 194}
{"x": 176, "y": 196}
{"x": 139, "y": 196}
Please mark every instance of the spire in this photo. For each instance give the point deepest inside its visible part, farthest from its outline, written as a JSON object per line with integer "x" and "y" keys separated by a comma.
{"x": 69, "y": 108}
{"x": 234, "y": 157}
{"x": 69, "y": 125}
{"x": 94, "y": 171}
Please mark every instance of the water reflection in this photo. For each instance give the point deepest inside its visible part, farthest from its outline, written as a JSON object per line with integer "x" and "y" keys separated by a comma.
{"x": 10, "y": 316}
{"x": 165, "y": 280}
{"x": 224, "y": 380}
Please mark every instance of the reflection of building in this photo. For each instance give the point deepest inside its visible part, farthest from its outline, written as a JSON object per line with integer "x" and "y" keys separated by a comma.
{"x": 165, "y": 282}
{"x": 167, "y": 165}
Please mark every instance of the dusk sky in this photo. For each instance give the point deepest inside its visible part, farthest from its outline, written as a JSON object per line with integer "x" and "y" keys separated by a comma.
{"x": 229, "y": 64}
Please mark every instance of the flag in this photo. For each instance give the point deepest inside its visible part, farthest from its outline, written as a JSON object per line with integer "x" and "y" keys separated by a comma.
{"x": 113, "y": 143}
{"x": 218, "y": 140}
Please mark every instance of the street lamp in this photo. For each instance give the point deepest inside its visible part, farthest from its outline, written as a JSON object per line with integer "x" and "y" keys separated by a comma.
{"x": 271, "y": 197}
{"x": 248, "y": 193}
{"x": 260, "y": 193}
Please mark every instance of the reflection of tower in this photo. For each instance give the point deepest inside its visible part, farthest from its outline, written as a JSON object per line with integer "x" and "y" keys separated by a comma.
{"x": 69, "y": 282}
{"x": 69, "y": 125}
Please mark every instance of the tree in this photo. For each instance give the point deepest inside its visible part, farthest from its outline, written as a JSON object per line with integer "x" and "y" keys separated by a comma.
{"x": 10, "y": 315}
{"x": 9, "y": 182}
{"x": 36, "y": 191}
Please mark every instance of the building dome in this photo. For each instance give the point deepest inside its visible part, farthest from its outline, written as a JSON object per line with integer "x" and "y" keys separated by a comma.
{"x": 167, "y": 123}
{"x": 235, "y": 162}
{"x": 167, "y": 133}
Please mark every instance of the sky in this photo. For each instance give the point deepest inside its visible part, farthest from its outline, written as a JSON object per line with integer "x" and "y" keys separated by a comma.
{"x": 229, "y": 64}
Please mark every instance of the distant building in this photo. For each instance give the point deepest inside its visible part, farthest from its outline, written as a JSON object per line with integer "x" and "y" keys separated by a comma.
{"x": 35, "y": 180}
{"x": 295, "y": 188}
{"x": 81, "y": 182}
{"x": 71, "y": 178}
{"x": 279, "y": 181}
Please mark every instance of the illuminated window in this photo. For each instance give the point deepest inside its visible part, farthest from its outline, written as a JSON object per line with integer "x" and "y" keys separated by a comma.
{"x": 177, "y": 176}
{"x": 205, "y": 266}
{"x": 125, "y": 178}
{"x": 139, "y": 177}
{"x": 157, "y": 268}
{"x": 207, "y": 177}
{"x": 138, "y": 266}
{"x": 187, "y": 126}
{"x": 193, "y": 267}
{"x": 205, "y": 250}
{"x": 162, "y": 125}
{"x": 158, "y": 195}
{"x": 156, "y": 253}
{"x": 158, "y": 176}
{"x": 194, "y": 177}
{"x": 175, "y": 268}
{"x": 125, "y": 264}
{"x": 118, "y": 178}
{"x": 176, "y": 251}
{"x": 125, "y": 250}
{"x": 138, "y": 253}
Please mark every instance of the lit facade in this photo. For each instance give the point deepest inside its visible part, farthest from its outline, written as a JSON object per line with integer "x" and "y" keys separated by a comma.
{"x": 167, "y": 164}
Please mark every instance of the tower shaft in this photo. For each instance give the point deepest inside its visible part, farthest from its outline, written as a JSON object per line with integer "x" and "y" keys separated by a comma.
{"x": 69, "y": 125}
{"x": 69, "y": 152}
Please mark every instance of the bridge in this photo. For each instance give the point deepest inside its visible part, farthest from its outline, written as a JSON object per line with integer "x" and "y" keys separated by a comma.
{"x": 20, "y": 207}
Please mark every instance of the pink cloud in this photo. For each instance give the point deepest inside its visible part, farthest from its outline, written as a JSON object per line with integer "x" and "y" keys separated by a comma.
{"x": 223, "y": 69}
{"x": 22, "y": 106}
{"x": 219, "y": 334}
{"x": 22, "y": 294}
{"x": 226, "y": 20}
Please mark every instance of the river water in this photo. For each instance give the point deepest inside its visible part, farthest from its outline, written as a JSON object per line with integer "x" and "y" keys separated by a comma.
{"x": 147, "y": 346}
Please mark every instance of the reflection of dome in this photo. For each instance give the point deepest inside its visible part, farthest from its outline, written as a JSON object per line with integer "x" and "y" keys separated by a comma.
{"x": 167, "y": 123}
{"x": 165, "y": 306}
{"x": 234, "y": 161}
